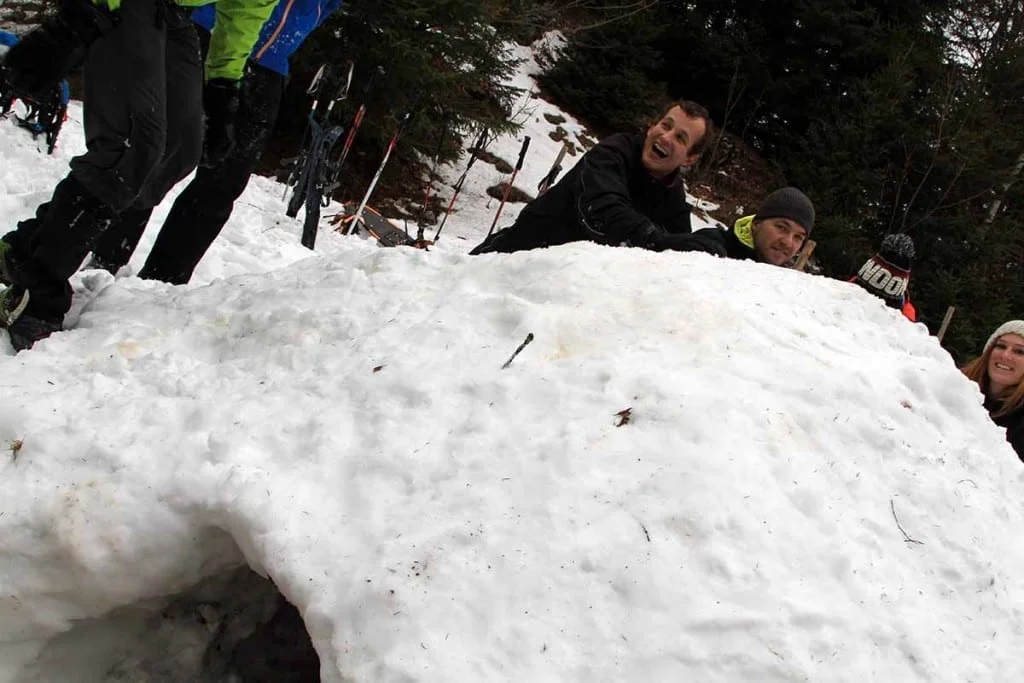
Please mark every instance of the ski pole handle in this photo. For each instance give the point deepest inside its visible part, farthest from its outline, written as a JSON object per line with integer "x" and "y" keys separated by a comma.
{"x": 522, "y": 152}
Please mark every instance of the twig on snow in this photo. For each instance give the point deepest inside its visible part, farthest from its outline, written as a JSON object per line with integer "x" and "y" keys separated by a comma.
{"x": 529, "y": 338}
{"x": 906, "y": 537}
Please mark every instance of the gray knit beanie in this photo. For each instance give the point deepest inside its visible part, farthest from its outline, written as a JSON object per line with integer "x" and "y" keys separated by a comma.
{"x": 790, "y": 203}
{"x": 1010, "y": 327}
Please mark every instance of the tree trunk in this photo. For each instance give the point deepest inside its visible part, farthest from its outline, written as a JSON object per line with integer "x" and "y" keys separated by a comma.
{"x": 997, "y": 203}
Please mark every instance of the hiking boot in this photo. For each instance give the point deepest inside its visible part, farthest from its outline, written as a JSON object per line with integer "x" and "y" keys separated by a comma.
{"x": 27, "y": 330}
{"x": 13, "y": 301}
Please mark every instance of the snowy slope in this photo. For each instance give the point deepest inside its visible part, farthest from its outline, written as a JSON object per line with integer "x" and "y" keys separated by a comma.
{"x": 806, "y": 487}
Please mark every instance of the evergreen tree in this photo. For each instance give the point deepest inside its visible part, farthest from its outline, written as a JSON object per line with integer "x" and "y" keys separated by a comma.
{"x": 608, "y": 75}
{"x": 441, "y": 60}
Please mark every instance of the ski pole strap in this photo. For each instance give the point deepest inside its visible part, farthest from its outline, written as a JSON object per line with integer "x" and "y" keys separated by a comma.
{"x": 317, "y": 81}
{"x": 315, "y": 86}
{"x": 341, "y": 93}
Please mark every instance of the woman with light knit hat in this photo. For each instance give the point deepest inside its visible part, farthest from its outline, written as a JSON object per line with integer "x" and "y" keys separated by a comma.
{"x": 999, "y": 372}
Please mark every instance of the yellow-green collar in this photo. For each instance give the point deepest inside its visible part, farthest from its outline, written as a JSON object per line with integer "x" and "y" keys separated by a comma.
{"x": 743, "y": 229}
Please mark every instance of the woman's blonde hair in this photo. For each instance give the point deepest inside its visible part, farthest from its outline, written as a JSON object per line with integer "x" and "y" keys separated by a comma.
{"x": 977, "y": 370}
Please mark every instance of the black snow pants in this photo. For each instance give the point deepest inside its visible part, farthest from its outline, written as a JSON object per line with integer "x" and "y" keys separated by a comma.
{"x": 143, "y": 125}
{"x": 204, "y": 206}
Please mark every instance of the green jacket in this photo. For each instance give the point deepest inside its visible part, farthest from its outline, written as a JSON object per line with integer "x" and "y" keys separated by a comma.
{"x": 234, "y": 35}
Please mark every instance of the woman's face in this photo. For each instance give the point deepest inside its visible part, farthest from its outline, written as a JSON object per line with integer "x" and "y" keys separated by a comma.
{"x": 1006, "y": 364}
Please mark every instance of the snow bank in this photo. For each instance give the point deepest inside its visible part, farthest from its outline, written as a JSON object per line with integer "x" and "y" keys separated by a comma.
{"x": 805, "y": 486}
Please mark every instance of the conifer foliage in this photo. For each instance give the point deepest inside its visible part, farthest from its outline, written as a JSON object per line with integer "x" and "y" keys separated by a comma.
{"x": 442, "y": 60}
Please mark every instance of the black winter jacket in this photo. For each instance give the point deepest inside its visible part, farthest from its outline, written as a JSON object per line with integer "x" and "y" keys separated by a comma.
{"x": 608, "y": 198}
{"x": 1013, "y": 422}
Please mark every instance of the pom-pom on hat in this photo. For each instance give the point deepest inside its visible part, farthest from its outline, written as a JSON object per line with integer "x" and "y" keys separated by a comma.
{"x": 898, "y": 249}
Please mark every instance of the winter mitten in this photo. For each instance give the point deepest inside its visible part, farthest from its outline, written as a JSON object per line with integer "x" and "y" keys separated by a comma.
{"x": 220, "y": 103}
{"x": 48, "y": 53}
{"x": 887, "y": 273}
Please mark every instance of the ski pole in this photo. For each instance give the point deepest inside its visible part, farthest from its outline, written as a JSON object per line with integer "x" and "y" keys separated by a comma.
{"x": 508, "y": 188}
{"x": 548, "y": 180}
{"x": 312, "y": 171}
{"x": 421, "y": 224}
{"x": 474, "y": 153}
{"x": 357, "y": 120}
{"x": 377, "y": 175}
{"x": 313, "y": 90}
{"x": 305, "y": 171}
{"x": 328, "y": 137}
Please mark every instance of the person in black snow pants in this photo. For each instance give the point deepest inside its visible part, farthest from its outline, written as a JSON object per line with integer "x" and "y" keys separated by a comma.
{"x": 204, "y": 206}
{"x": 149, "y": 120}
{"x": 619, "y": 189}
{"x": 999, "y": 373}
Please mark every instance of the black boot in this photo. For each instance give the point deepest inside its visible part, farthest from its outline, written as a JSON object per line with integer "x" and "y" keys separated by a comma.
{"x": 24, "y": 330}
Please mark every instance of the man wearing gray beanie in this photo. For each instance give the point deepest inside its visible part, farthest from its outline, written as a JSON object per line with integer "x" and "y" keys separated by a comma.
{"x": 772, "y": 235}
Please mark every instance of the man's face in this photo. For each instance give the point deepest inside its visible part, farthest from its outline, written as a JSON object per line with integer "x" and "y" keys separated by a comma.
{"x": 777, "y": 240}
{"x": 669, "y": 141}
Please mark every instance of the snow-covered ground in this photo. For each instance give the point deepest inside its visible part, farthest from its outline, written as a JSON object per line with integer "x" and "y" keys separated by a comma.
{"x": 699, "y": 469}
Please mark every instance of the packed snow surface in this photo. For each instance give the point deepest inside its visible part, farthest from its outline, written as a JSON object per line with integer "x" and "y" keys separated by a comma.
{"x": 698, "y": 469}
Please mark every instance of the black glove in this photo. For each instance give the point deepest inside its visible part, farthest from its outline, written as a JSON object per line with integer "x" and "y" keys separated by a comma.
{"x": 654, "y": 237}
{"x": 220, "y": 103}
{"x": 51, "y": 51}
{"x": 650, "y": 236}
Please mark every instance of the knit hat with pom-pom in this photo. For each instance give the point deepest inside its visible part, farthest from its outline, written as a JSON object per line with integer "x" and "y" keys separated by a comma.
{"x": 887, "y": 273}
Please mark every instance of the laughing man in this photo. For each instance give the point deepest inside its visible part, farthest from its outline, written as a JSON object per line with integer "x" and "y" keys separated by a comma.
{"x": 626, "y": 188}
